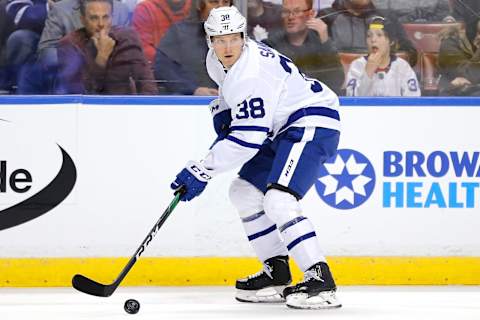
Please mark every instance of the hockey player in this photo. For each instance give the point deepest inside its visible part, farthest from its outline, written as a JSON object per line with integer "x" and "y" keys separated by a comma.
{"x": 281, "y": 126}
{"x": 381, "y": 73}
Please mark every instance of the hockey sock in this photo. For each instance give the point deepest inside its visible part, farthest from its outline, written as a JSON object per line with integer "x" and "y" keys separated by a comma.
{"x": 264, "y": 236}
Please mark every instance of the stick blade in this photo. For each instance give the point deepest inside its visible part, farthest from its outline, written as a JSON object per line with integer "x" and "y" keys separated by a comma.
{"x": 88, "y": 286}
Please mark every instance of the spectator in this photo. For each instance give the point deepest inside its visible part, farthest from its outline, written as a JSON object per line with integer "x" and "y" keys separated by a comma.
{"x": 459, "y": 62}
{"x": 469, "y": 12}
{"x": 381, "y": 73}
{"x": 305, "y": 40}
{"x": 263, "y": 18}
{"x": 63, "y": 17}
{"x": 29, "y": 19}
{"x": 99, "y": 59}
{"x": 347, "y": 22}
{"x": 180, "y": 58}
{"x": 152, "y": 18}
{"x": 6, "y": 28}
{"x": 418, "y": 11}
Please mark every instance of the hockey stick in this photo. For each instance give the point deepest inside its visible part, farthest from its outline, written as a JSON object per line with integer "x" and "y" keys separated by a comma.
{"x": 89, "y": 286}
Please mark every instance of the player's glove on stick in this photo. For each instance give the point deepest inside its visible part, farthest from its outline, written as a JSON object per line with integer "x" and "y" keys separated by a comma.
{"x": 193, "y": 178}
{"x": 221, "y": 118}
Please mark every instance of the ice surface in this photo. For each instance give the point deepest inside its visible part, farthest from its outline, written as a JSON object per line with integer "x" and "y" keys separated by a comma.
{"x": 164, "y": 303}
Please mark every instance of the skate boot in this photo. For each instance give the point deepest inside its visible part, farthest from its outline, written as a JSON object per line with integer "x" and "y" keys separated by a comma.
{"x": 266, "y": 285}
{"x": 316, "y": 291}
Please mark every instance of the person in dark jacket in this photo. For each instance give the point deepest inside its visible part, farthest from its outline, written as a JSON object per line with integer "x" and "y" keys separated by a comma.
{"x": 6, "y": 28}
{"x": 28, "y": 18}
{"x": 63, "y": 17}
{"x": 180, "y": 58}
{"x": 99, "y": 59}
{"x": 416, "y": 11}
{"x": 305, "y": 40}
{"x": 469, "y": 12}
{"x": 263, "y": 18}
{"x": 459, "y": 62}
{"x": 347, "y": 22}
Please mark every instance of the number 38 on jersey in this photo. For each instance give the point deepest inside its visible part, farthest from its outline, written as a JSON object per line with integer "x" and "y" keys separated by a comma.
{"x": 251, "y": 108}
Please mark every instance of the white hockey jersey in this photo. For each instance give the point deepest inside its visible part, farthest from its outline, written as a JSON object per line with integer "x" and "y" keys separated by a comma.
{"x": 398, "y": 80}
{"x": 266, "y": 94}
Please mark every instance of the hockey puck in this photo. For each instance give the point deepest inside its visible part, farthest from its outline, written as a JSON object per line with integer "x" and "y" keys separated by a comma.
{"x": 131, "y": 306}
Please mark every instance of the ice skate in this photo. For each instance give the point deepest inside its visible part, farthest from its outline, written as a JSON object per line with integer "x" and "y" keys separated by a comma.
{"x": 316, "y": 291}
{"x": 266, "y": 285}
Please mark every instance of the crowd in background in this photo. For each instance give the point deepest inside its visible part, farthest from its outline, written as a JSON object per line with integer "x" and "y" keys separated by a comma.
{"x": 356, "y": 47}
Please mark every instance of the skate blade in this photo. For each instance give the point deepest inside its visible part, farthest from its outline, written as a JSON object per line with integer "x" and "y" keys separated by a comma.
{"x": 266, "y": 295}
{"x": 324, "y": 300}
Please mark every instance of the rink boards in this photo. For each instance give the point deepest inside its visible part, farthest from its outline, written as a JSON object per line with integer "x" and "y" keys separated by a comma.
{"x": 399, "y": 204}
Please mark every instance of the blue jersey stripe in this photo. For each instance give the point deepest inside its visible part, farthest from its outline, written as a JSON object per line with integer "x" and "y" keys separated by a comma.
{"x": 300, "y": 239}
{"x": 311, "y": 111}
{"x": 250, "y": 128}
{"x": 253, "y": 216}
{"x": 291, "y": 223}
{"x": 262, "y": 233}
{"x": 244, "y": 143}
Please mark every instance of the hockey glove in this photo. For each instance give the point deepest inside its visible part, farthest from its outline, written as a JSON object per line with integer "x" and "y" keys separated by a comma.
{"x": 221, "y": 118}
{"x": 193, "y": 178}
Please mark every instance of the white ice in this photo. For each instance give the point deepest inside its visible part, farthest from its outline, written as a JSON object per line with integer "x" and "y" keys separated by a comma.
{"x": 164, "y": 303}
